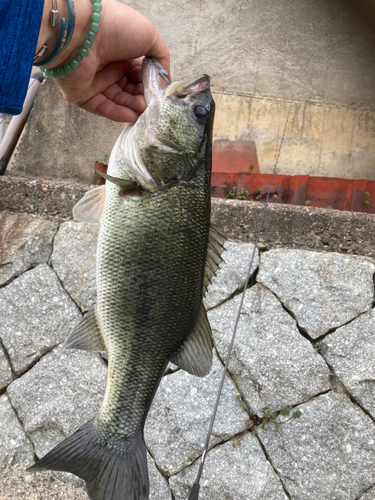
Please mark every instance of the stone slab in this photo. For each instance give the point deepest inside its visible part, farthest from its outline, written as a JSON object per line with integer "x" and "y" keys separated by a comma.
{"x": 159, "y": 487}
{"x": 6, "y": 374}
{"x": 63, "y": 391}
{"x": 179, "y": 418}
{"x": 25, "y": 242}
{"x": 15, "y": 447}
{"x": 369, "y": 495}
{"x": 272, "y": 364}
{"x": 323, "y": 291}
{"x": 36, "y": 314}
{"x": 74, "y": 258}
{"x": 16, "y": 484}
{"x": 232, "y": 473}
{"x": 232, "y": 273}
{"x": 350, "y": 351}
{"x": 328, "y": 453}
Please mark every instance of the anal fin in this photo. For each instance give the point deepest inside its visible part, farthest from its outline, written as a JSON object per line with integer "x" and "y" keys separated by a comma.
{"x": 86, "y": 335}
{"x": 195, "y": 355}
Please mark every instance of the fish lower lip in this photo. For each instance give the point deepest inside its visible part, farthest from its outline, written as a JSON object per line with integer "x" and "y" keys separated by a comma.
{"x": 202, "y": 78}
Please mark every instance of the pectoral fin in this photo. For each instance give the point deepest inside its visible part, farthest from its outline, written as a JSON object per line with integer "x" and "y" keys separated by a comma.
{"x": 86, "y": 335}
{"x": 214, "y": 250}
{"x": 124, "y": 184}
{"x": 195, "y": 355}
{"x": 91, "y": 206}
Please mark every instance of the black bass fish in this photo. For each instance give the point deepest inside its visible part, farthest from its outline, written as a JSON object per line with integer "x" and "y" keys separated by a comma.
{"x": 156, "y": 255}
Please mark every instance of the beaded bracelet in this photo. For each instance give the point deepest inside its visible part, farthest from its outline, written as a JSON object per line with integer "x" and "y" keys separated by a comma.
{"x": 84, "y": 50}
{"x": 65, "y": 35}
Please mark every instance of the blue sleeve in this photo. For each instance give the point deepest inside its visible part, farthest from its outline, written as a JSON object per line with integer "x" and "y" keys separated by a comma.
{"x": 19, "y": 29}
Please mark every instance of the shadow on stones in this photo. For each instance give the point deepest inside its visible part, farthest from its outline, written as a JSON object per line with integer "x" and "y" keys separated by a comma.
{"x": 253, "y": 278}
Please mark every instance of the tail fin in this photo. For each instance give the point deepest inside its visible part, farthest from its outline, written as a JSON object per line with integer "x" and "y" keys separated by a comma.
{"x": 115, "y": 472}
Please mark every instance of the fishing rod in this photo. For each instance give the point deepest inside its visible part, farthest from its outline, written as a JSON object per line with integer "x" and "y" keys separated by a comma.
{"x": 194, "y": 493}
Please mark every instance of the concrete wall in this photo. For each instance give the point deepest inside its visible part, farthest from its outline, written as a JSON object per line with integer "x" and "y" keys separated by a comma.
{"x": 313, "y": 50}
{"x": 314, "y": 57}
{"x": 61, "y": 141}
{"x": 264, "y": 54}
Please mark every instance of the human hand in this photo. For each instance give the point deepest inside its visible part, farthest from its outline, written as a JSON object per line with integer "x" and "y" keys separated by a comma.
{"x": 108, "y": 81}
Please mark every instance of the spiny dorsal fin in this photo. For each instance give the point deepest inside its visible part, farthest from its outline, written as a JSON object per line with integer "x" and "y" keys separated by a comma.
{"x": 214, "y": 250}
{"x": 86, "y": 335}
{"x": 91, "y": 206}
{"x": 195, "y": 355}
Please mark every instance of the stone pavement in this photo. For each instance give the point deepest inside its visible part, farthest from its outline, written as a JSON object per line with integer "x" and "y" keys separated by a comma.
{"x": 297, "y": 415}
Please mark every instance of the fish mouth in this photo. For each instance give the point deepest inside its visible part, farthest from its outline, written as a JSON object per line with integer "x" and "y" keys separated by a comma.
{"x": 193, "y": 88}
{"x": 157, "y": 84}
{"x": 155, "y": 79}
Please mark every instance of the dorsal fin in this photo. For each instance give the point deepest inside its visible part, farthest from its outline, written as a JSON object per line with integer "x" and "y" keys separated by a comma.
{"x": 195, "y": 354}
{"x": 214, "y": 250}
{"x": 91, "y": 206}
{"x": 86, "y": 335}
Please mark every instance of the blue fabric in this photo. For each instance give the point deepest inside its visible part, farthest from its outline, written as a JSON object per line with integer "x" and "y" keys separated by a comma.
{"x": 19, "y": 29}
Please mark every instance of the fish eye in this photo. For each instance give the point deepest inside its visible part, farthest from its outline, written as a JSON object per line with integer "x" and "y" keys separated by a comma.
{"x": 200, "y": 112}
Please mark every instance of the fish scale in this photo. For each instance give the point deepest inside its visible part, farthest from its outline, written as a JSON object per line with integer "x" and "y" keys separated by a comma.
{"x": 170, "y": 272}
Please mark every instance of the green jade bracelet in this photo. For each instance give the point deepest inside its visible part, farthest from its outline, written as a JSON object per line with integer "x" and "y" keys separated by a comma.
{"x": 84, "y": 50}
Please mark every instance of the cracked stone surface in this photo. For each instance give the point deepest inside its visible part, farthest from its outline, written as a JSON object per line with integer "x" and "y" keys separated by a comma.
{"x": 25, "y": 242}
{"x": 15, "y": 447}
{"x": 159, "y": 488}
{"x": 232, "y": 473}
{"x": 272, "y": 364}
{"x": 6, "y": 375}
{"x": 350, "y": 350}
{"x": 179, "y": 418}
{"x": 36, "y": 314}
{"x": 73, "y": 259}
{"x": 322, "y": 290}
{"x": 232, "y": 272}
{"x": 59, "y": 394}
{"x": 328, "y": 453}
{"x": 16, "y": 484}
{"x": 369, "y": 495}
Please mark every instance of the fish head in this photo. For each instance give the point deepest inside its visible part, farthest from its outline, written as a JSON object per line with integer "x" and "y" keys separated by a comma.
{"x": 174, "y": 134}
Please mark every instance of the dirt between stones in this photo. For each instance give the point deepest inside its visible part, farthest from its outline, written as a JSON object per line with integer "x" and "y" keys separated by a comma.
{"x": 285, "y": 226}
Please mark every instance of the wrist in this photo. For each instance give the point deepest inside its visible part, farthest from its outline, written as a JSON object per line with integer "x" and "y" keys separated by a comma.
{"x": 88, "y": 17}
{"x": 83, "y": 12}
{"x": 49, "y": 31}
{"x": 77, "y": 18}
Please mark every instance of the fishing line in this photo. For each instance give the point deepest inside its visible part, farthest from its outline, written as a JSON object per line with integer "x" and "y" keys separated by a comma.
{"x": 194, "y": 493}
